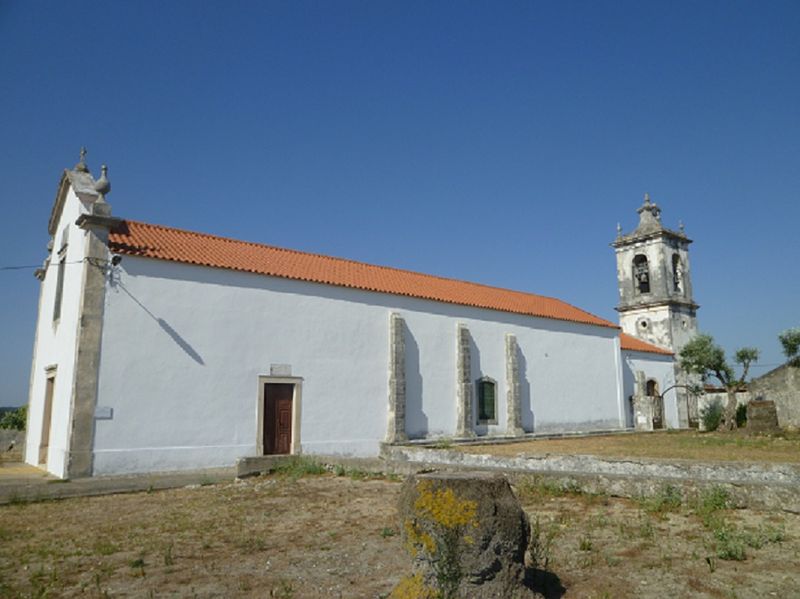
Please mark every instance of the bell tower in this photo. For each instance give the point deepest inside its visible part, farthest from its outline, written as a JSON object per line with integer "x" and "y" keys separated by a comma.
{"x": 655, "y": 290}
{"x": 655, "y": 284}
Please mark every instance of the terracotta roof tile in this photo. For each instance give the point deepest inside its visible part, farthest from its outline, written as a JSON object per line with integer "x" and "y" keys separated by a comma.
{"x": 165, "y": 243}
{"x": 633, "y": 344}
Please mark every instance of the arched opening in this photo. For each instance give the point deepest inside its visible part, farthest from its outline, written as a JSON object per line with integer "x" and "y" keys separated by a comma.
{"x": 658, "y": 403}
{"x": 641, "y": 274}
{"x": 677, "y": 273}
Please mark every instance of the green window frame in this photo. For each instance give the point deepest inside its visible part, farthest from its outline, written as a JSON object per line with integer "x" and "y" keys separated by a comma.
{"x": 487, "y": 400}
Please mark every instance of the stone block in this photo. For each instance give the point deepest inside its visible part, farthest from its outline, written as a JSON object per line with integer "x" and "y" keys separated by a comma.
{"x": 762, "y": 417}
{"x": 467, "y": 534}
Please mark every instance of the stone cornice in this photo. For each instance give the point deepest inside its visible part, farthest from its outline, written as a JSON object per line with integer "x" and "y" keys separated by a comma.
{"x": 657, "y": 303}
{"x": 89, "y": 221}
{"x": 662, "y": 232}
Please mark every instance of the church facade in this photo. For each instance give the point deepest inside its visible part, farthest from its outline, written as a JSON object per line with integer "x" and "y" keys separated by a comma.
{"x": 162, "y": 349}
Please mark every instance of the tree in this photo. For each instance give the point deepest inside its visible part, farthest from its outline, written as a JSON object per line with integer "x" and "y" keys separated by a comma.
{"x": 704, "y": 357}
{"x": 14, "y": 419}
{"x": 790, "y": 340}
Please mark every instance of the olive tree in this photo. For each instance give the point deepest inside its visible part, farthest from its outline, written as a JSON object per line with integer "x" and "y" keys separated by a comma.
{"x": 704, "y": 357}
{"x": 790, "y": 340}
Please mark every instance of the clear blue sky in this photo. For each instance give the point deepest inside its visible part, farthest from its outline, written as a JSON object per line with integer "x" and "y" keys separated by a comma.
{"x": 497, "y": 142}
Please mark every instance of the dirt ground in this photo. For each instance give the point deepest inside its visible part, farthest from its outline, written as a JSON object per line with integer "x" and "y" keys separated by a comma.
{"x": 689, "y": 445}
{"x": 337, "y": 536}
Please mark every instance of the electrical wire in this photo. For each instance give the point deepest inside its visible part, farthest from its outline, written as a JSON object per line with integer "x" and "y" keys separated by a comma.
{"x": 26, "y": 266}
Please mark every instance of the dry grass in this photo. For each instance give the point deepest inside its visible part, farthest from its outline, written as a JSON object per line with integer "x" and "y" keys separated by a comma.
{"x": 684, "y": 445}
{"x": 329, "y": 536}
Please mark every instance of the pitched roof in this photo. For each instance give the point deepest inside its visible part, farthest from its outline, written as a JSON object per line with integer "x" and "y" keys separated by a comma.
{"x": 166, "y": 243}
{"x": 630, "y": 343}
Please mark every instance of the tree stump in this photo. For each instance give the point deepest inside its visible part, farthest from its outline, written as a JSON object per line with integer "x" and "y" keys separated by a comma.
{"x": 467, "y": 535}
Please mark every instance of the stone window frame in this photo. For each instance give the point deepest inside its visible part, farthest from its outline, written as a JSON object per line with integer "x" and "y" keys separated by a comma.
{"x": 479, "y": 386}
{"x": 60, "y": 273}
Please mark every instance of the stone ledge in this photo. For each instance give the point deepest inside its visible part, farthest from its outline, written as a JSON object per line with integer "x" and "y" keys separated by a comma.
{"x": 769, "y": 486}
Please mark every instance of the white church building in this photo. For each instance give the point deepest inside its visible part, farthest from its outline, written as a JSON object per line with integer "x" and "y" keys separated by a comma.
{"x": 161, "y": 349}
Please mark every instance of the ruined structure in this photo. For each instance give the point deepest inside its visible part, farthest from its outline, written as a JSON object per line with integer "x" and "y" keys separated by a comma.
{"x": 781, "y": 386}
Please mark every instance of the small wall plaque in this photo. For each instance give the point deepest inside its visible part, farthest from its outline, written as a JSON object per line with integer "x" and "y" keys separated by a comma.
{"x": 103, "y": 413}
{"x": 280, "y": 370}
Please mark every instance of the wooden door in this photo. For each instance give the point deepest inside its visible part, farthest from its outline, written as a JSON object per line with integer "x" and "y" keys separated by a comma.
{"x": 278, "y": 418}
{"x": 44, "y": 441}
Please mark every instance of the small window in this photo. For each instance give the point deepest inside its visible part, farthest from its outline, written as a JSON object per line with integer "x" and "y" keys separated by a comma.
{"x": 487, "y": 401}
{"x": 62, "y": 262}
{"x": 641, "y": 274}
{"x": 652, "y": 388}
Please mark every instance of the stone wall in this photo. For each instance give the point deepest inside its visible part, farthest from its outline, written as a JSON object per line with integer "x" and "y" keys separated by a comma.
{"x": 709, "y": 397}
{"x": 782, "y": 386}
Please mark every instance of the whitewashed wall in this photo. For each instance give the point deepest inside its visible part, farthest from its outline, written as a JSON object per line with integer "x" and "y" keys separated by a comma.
{"x": 55, "y": 342}
{"x": 657, "y": 367}
{"x": 183, "y": 347}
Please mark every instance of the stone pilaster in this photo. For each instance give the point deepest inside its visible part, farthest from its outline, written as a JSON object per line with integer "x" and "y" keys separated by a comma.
{"x": 641, "y": 384}
{"x": 642, "y": 404}
{"x": 464, "y": 424}
{"x": 396, "y": 417}
{"x": 513, "y": 403}
{"x": 90, "y": 329}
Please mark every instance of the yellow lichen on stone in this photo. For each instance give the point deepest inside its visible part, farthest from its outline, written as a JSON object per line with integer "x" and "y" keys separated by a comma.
{"x": 417, "y": 537}
{"x": 413, "y": 587}
{"x": 444, "y": 508}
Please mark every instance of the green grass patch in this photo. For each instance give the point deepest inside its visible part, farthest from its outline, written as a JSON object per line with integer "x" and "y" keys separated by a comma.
{"x": 667, "y": 499}
{"x": 300, "y": 466}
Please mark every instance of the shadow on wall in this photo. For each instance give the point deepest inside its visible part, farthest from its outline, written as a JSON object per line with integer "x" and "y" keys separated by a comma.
{"x": 416, "y": 420}
{"x": 526, "y": 403}
{"x": 174, "y": 335}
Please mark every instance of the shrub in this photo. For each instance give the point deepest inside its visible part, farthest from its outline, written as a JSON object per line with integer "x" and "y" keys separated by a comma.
{"x": 741, "y": 415}
{"x": 711, "y": 415}
{"x": 730, "y": 544}
{"x": 15, "y": 419}
{"x": 667, "y": 499}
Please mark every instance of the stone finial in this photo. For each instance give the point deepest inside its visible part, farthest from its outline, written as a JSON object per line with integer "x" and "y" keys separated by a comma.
{"x": 681, "y": 227}
{"x": 81, "y": 166}
{"x": 103, "y": 185}
{"x": 619, "y": 231}
{"x": 649, "y": 216}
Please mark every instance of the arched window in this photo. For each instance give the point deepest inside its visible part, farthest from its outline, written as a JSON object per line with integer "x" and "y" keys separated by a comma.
{"x": 641, "y": 274}
{"x": 677, "y": 273}
{"x": 652, "y": 388}
{"x": 487, "y": 400}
